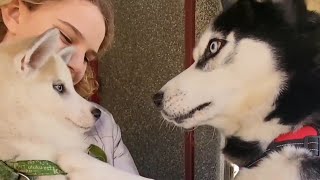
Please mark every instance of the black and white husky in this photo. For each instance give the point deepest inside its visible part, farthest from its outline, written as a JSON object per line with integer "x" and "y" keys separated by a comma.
{"x": 256, "y": 78}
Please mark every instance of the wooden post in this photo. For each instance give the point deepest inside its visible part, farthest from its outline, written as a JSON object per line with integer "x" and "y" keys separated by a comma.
{"x": 190, "y": 6}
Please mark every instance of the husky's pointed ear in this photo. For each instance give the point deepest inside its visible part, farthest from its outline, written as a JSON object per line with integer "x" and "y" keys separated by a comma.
{"x": 40, "y": 51}
{"x": 226, "y": 4}
{"x": 295, "y": 11}
{"x": 66, "y": 53}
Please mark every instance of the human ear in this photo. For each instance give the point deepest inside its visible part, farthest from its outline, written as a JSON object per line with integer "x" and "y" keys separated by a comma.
{"x": 11, "y": 13}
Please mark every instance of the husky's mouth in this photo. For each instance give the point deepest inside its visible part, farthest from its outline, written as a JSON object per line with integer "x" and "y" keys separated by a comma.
{"x": 180, "y": 119}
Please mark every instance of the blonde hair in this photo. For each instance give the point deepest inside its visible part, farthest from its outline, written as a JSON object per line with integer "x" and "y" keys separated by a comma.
{"x": 88, "y": 84}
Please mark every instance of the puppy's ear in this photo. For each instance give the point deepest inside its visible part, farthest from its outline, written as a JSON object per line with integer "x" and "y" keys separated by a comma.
{"x": 66, "y": 53}
{"x": 40, "y": 51}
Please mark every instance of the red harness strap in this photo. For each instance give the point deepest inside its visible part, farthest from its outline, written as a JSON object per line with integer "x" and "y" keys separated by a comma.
{"x": 307, "y": 137}
{"x": 299, "y": 134}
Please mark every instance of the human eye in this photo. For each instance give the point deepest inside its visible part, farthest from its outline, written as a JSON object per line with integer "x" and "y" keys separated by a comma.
{"x": 65, "y": 39}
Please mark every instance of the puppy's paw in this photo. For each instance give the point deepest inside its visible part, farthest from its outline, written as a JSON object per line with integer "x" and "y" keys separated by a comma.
{"x": 76, "y": 165}
{"x": 72, "y": 161}
{"x": 56, "y": 177}
{"x": 8, "y": 152}
{"x": 77, "y": 175}
{"x": 108, "y": 173}
{"x": 81, "y": 166}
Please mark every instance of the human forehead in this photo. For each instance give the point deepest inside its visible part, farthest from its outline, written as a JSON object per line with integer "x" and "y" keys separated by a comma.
{"x": 83, "y": 15}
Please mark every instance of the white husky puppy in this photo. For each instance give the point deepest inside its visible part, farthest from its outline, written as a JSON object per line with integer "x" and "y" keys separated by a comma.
{"x": 42, "y": 116}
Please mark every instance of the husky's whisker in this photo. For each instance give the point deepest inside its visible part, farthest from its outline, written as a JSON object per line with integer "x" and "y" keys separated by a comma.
{"x": 163, "y": 120}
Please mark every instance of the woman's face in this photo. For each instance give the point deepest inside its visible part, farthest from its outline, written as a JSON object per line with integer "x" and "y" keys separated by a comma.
{"x": 81, "y": 24}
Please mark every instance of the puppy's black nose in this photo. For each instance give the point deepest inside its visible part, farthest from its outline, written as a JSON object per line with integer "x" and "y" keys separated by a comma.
{"x": 96, "y": 113}
{"x": 157, "y": 99}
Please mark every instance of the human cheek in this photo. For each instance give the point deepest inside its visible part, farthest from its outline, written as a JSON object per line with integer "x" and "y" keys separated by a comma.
{"x": 78, "y": 73}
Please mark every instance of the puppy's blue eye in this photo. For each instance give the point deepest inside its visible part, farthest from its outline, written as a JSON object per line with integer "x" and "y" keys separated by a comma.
{"x": 59, "y": 88}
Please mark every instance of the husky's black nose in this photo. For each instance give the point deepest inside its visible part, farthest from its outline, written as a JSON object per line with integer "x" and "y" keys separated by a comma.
{"x": 96, "y": 113}
{"x": 157, "y": 99}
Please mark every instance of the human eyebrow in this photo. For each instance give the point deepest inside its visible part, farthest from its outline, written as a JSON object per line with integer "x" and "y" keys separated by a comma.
{"x": 74, "y": 29}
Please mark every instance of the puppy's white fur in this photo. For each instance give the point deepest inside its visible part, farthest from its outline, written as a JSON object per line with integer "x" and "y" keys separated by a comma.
{"x": 38, "y": 122}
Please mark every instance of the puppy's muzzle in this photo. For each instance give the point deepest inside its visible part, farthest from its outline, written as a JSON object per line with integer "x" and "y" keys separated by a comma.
{"x": 96, "y": 113}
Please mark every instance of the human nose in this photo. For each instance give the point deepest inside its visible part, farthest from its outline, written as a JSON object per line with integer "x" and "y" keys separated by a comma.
{"x": 77, "y": 68}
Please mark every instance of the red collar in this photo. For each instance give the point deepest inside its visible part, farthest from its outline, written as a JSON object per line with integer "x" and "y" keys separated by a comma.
{"x": 298, "y": 134}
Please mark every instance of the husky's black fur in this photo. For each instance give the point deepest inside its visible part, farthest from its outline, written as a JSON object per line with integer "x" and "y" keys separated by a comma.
{"x": 294, "y": 35}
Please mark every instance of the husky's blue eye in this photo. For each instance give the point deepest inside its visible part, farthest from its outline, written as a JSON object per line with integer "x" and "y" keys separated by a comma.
{"x": 214, "y": 46}
{"x": 59, "y": 88}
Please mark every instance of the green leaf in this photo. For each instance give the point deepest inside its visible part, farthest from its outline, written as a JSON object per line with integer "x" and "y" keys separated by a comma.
{"x": 97, "y": 152}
